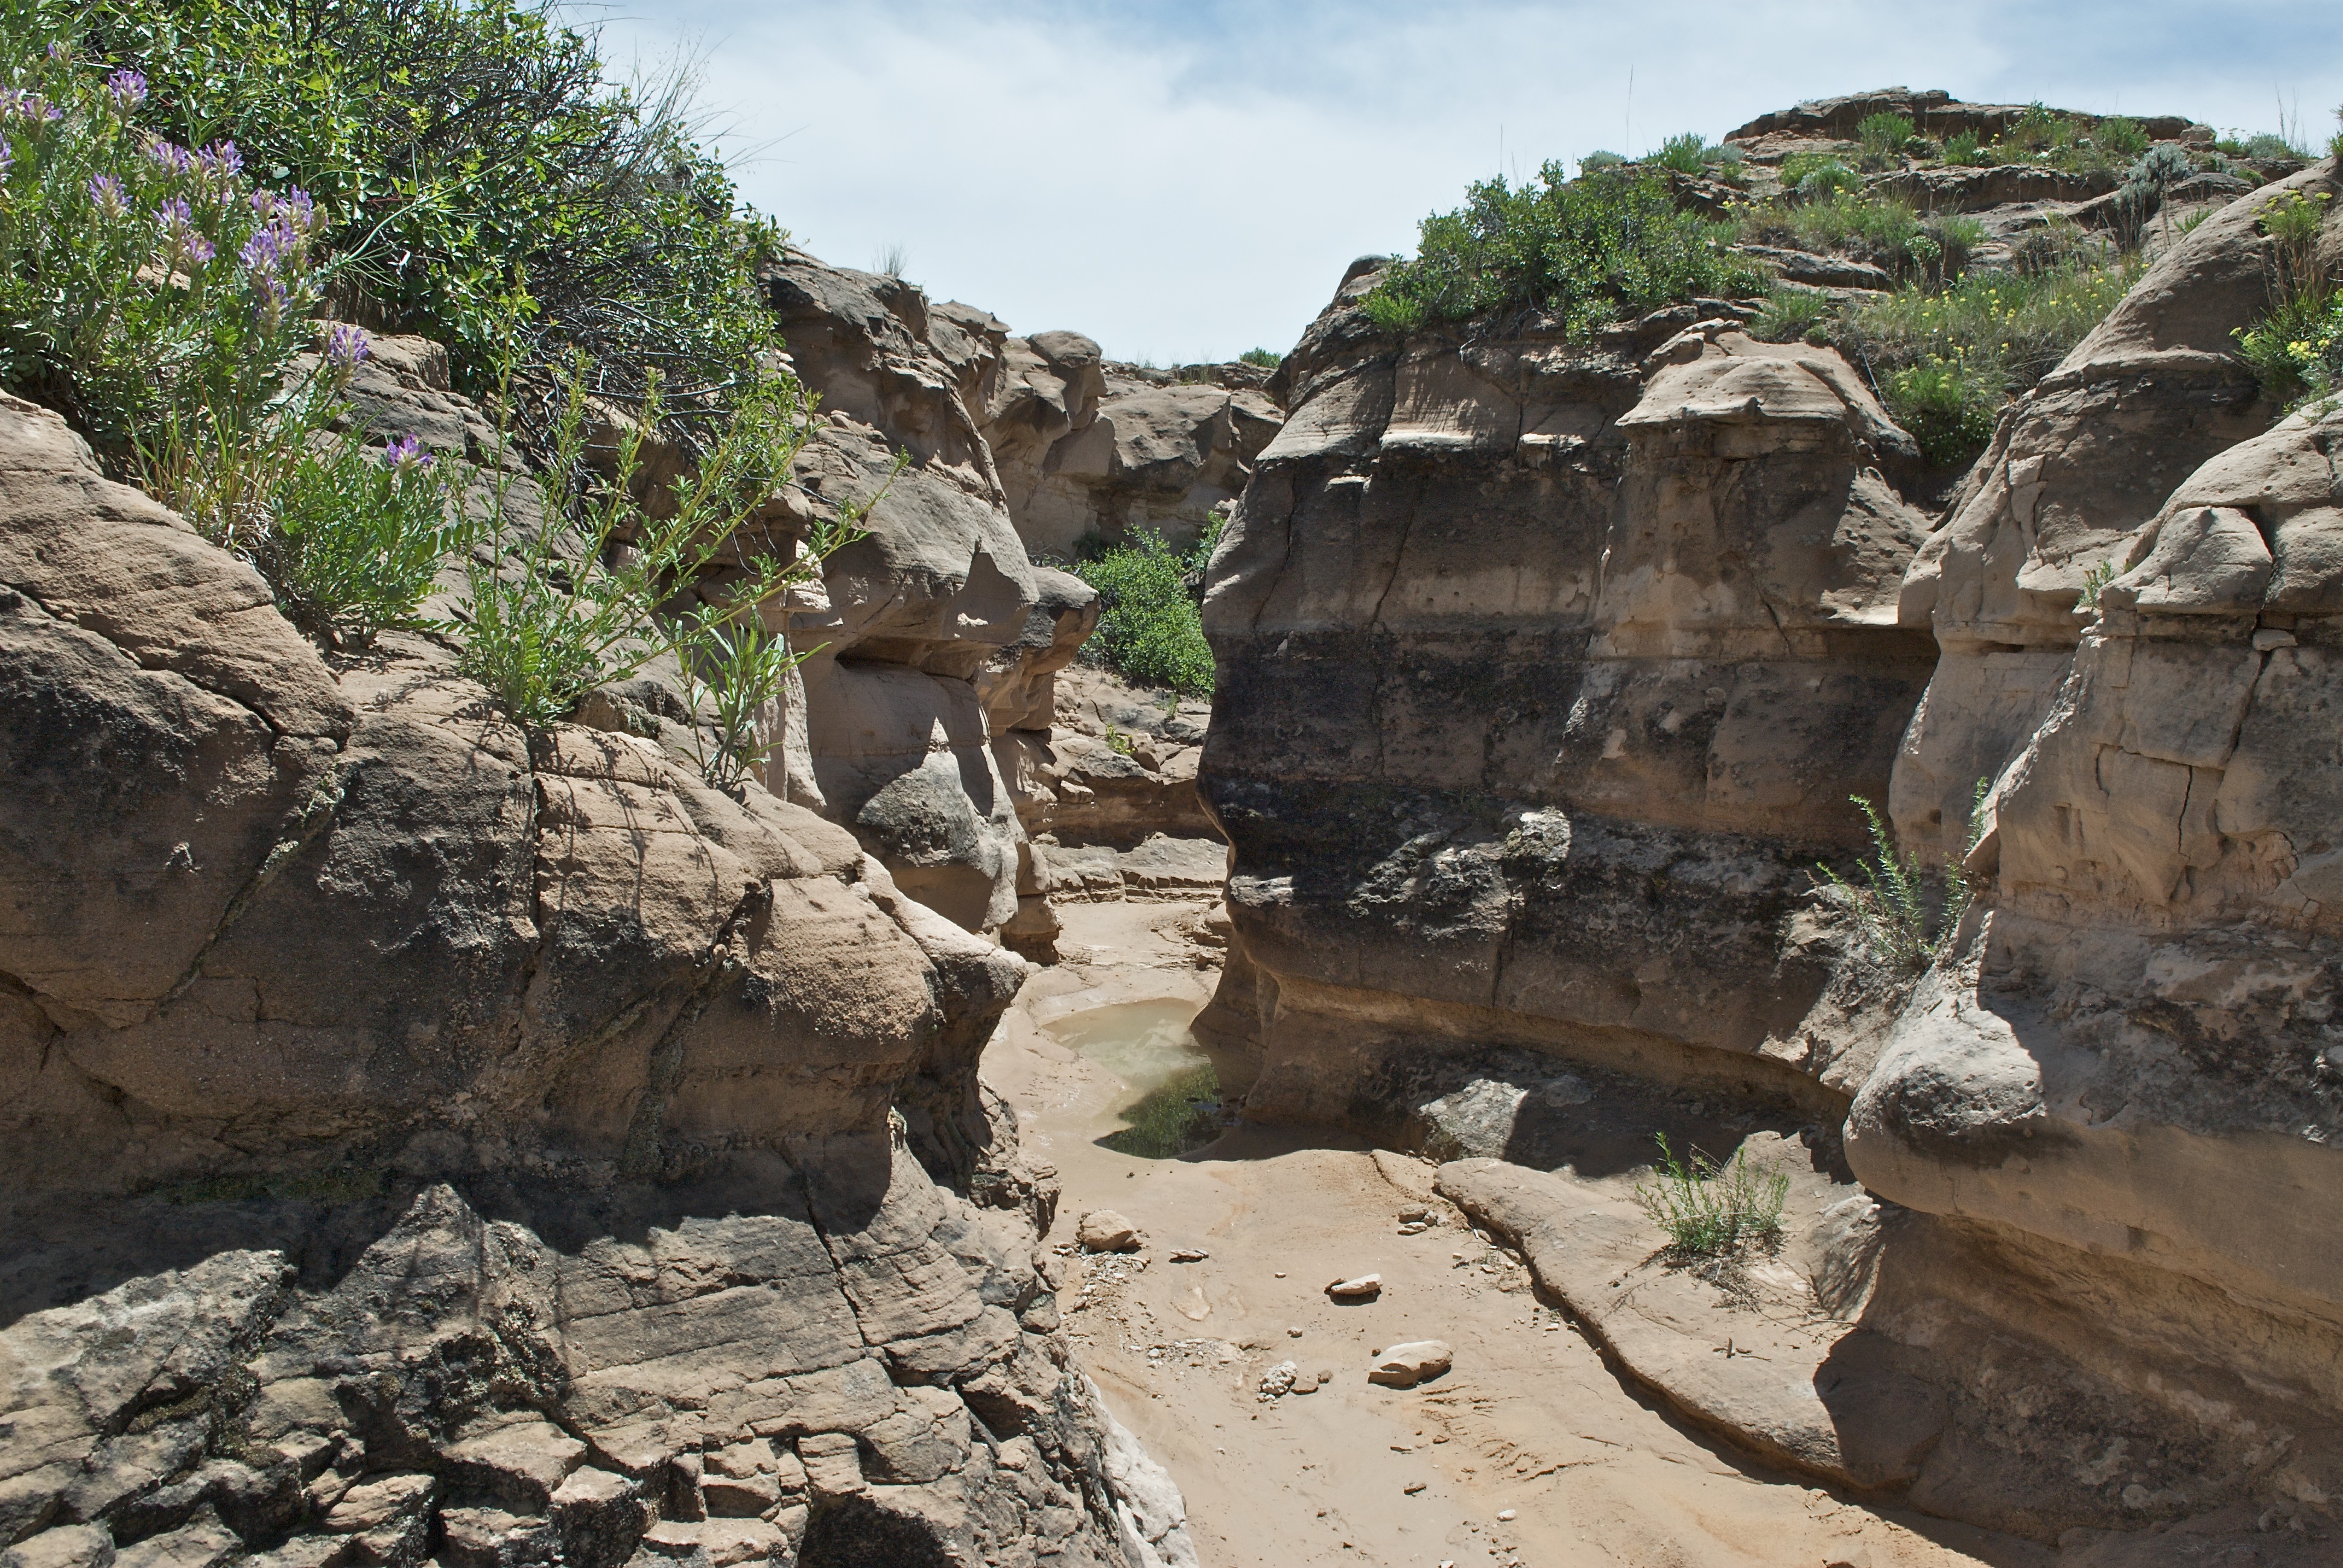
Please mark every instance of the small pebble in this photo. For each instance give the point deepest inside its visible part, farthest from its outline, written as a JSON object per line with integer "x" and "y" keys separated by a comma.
{"x": 1294, "y": 1331}
{"x": 1504, "y": 1514}
{"x": 1412, "y": 1487}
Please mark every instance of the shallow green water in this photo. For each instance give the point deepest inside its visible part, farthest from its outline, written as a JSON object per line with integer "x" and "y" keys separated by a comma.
{"x": 1149, "y": 1046}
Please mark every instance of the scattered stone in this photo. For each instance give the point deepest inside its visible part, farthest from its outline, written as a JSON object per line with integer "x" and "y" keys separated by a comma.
{"x": 1504, "y": 1515}
{"x": 1413, "y": 1228}
{"x": 1104, "y": 1231}
{"x": 1404, "y": 1366}
{"x": 1278, "y": 1380}
{"x": 1305, "y": 1382}
{"x": 1189, "y": 1254}
{"x": 1294, "y": 1331}
{"x": 1412, "y": 1487}
{"x": 1361, "y": 1288}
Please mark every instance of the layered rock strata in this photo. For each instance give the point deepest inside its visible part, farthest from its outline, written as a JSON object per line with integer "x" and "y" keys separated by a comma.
{"x": 1546, "y": 671}
{"x": 428, "y": 1140}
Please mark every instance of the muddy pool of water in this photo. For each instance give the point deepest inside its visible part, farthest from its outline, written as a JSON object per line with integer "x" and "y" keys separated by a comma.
{"x": 1179, "y": 1105}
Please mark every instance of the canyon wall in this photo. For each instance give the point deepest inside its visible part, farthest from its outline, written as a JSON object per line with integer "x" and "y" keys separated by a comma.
{"x": 1547, "y": 671}
{"x": 429, "y": 1139}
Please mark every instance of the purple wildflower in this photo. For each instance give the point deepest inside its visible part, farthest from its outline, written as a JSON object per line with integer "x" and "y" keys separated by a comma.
{"x": 273, "y": 245}
{"x": 174, "y": 158}
{"x": 221, "y": 159}
{"x": 106, "y": 193}
{"x": 16, "y": 104}
{"x": 346, "y": 346}
{"x": 298, "y": 208}
{"x": 198, "y": 250}
{"x": 267, "y": 300}
{"x": 127, "y": 89}
{"x": 8, "y": 158}
{"x": 60, "y": 51}
{"x": 406, "y": 455}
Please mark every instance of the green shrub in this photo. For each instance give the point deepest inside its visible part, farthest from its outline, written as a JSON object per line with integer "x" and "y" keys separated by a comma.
{"x": 1963, "y": 148}
{"x": 1179, "y": 1115}
{"x": 1589, "y": 251}
{"x": 1686, "y": 154}
{"x": 1708, "y": 1209}
{"x": 2120, "y": 138}
{"x": 1267, "y": 358}
{"x": 558, "y": 609}
{"x": 1600, "y": 160}
{"x": 353, "y": 537}
{"x": 2292, "y": 348}
{"x": 467, "y": 153}
{"x": 2095, "y": 577}
{"x": 1882, "y": 136}
{"x": 1948, "y": 406}
{"x": 1896, "y": 916}
{"x": 1828, "y": 180}
{"x": 1150, "y": 625}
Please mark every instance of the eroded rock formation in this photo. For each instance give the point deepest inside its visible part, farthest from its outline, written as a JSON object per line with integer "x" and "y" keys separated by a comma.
{"x": 426, "y": 1139}
{"x": 1547, "y": 671}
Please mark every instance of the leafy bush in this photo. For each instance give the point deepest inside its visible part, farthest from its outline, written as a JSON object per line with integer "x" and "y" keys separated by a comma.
{"x": 1829, "y": 179}
{"x": 1878, "y": 230}
{"x": 1150, "y": 625}
{"x": 1966, "y": 148}
{"x": 1589, "y": 251}
{"x": 559, "y": 609}
{"x": 1267, "y": 358}
{"x": 1896, "y": 915}
{"x": 1177, "y": 1116}
{"x": 1600, "y": 160}
{"x": 158, "y": 299}
{"x": 352, "y": 538}
{"x": 467, "y": 155}
{"x": 1948, "y": 406}
{"x": 1708, "y": 1209}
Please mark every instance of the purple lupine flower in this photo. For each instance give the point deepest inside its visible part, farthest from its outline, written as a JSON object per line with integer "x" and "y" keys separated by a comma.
{"x": 105, "y": 193}
{"x": 127, "y": 89}
{"x": 221, "y": 159}
{"x": 346, "y": 346}
{"x": 199, "y": 251}
{"x": 16, "y": 104}
{"x": 298, "y": 208}
{"x": 267, "y": 300}
{"x": 270, "y": 249}
{"x": 406, "y": 455}
{"x": 8, "y": 158}
{"x": 60, "y": 51}
{"x": 174, "y": 158}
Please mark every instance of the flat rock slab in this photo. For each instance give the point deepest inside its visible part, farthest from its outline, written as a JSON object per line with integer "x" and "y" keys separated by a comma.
{"x": 1803, "y": 1388}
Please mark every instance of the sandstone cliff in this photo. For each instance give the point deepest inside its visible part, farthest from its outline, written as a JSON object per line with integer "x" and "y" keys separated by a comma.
{"x": 1547, "y": 671}
{"x": 426, "y": 1139}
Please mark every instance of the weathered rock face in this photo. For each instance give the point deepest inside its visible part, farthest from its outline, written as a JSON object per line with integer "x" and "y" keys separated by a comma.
{"x": 1546, "y": 672}
{"x": 424, "y": 1138}
{"x": 1087, "y": 446}
{"x": 2125, "y": 1085}
{"x": 2086, "y": 460}
{"x": 896, "y": 739}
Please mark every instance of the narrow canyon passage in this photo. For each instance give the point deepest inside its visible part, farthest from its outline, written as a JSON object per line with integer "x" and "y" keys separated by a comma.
{"x": 1530, "y": 1451}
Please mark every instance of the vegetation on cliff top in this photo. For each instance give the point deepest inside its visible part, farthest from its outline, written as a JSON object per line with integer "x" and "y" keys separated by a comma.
{"x": 1590, "y": 251}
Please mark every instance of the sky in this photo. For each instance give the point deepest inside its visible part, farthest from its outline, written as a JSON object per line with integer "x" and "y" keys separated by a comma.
{"x": 1186, "y": 181}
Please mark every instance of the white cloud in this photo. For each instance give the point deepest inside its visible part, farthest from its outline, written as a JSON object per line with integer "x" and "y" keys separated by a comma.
{"x": 1185, "y": 181}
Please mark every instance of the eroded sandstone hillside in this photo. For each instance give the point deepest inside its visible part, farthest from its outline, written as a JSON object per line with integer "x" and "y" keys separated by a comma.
{"x": 1549, "y": 667}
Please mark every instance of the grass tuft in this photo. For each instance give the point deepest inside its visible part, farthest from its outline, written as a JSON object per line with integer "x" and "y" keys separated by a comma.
{"x": 1172, "y": 1118}
{"x": 1708, "y": 1209}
